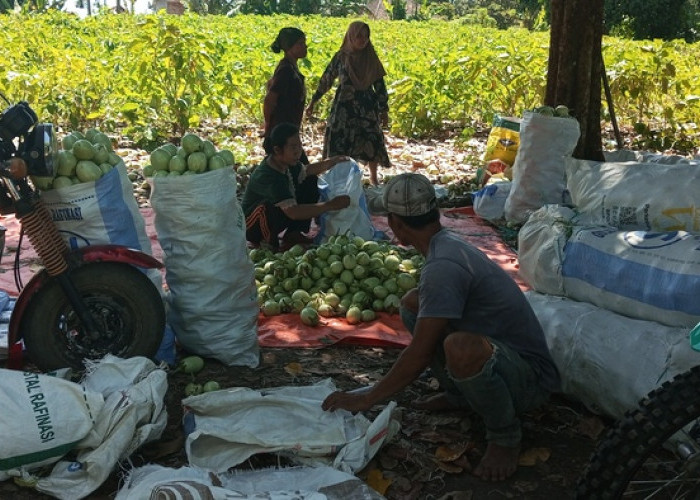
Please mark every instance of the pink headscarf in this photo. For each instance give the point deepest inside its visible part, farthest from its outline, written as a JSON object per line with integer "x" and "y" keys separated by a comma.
{"x": 363, "y": 66}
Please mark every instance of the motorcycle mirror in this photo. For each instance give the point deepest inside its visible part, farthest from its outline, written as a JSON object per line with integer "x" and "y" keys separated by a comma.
{"x": 16, "y": 120}
{"x": 40, "y": 151}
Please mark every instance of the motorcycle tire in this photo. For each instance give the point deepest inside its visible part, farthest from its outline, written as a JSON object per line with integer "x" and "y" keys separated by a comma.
{"x": 654, "y": 450}
{"x": 124, "y": 302}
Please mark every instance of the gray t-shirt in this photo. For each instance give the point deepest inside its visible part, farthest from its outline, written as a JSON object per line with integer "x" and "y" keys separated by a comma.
{"x": 460, "y": 283}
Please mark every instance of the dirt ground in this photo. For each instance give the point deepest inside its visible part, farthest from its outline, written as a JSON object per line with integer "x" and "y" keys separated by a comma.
{"x": 430, "y": 458}
{"x": 434, "y": 453}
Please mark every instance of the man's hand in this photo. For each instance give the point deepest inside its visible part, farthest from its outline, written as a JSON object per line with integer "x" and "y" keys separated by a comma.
{"x": 339, "y": 202}
{"x": 346, "y": 401}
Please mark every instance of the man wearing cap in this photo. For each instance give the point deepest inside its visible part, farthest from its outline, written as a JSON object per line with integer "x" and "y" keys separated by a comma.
{"x": 471, "y": 324}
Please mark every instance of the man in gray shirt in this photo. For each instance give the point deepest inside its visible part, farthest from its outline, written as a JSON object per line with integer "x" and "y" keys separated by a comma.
{"x": 471, "y": 324}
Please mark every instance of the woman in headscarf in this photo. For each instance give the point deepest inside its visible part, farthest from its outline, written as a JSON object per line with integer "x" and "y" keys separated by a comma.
{"x": 286, "y": 90}
{"x": 361, "y": 105}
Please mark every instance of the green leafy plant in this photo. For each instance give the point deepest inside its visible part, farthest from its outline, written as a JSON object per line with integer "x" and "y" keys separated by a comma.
{"x": 155, "y": 76}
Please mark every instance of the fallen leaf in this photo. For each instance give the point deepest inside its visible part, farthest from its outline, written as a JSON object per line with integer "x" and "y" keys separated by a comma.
{"x": 442, "y": 436}
{"x": 463, "y": 462}
{"x": 525, "y": 486}
{"x": 532, "y": 456}
{"x": 397, "y": 452}
{"x": 451, "y": 453}
{"x": 591, "y": 427}
{"x": 424, "y": 474}
{"x": 321, "y": 371}
{"x": 457, "y": 495}
{"x": 413, "y": 492}
{"x": 448, "y": 467}
{"x": 377, "y": 481}
{"x": 441, "y": 420}
{"x": 294, "y": 369}
{"x": 433, "y": 437}
{"x": 388, "y": 462}
{"x": 401, "y": 483}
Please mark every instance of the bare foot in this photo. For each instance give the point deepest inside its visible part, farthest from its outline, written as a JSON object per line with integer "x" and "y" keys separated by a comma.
{"x": 436, "y": 402}
{"x": 498, "y": 463}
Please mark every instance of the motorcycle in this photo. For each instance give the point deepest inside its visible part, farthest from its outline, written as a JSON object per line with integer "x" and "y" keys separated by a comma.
{"x": 84, "y": 303}
{"x": 654, "y": 450}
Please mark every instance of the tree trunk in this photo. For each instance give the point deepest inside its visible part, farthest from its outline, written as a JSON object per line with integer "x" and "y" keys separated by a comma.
{"x": 575, "y": 68}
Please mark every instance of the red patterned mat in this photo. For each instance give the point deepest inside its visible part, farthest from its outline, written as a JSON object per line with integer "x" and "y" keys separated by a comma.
{"x": 287, "y": 330}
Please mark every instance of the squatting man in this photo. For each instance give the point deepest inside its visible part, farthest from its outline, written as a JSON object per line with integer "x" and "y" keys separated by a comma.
{"x": 471, "y": 324}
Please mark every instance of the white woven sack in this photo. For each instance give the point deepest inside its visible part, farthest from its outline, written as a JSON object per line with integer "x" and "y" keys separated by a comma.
{"x": 103, "y": 212}
{"x": 102, "y": 420}
{"x": 227, "y": 427}
{"x": 636, "y": 196}
{"x": 647, "y": 275}
{"x": 621, "y": 155}
{"x": 608, "y": 361}
{"x": 213, "y": 300}
{"x": 538, "y": 170}
{"x": 42, "y": 418}
{"x": 541, "y": 243}
{"x": 133, "y": 414}
{"x": 291, "y": 483}
{"x": 650, "y": 157}
{"x": 99, "y": 213}
{"x": 489, "y": 202}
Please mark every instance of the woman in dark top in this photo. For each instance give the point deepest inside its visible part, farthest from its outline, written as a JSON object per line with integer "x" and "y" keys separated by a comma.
{"x": 286, "y": 90}
{"x": 286, "y": 97}
{"x": 274, "y": 200}
{"x": 360, "y": 107}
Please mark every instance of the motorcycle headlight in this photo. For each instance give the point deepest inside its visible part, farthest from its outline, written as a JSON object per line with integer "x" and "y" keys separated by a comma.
{"x": 40, "y": 151}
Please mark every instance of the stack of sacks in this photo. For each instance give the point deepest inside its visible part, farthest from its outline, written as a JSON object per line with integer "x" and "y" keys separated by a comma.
{"x": 631, "y": 246}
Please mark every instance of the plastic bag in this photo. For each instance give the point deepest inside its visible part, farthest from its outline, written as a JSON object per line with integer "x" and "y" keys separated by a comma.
{"x": 538, "y": 171}
{"x": 488, "y": 202}
{"x": 504, "y": 139}
{"x": 345, "y": 178}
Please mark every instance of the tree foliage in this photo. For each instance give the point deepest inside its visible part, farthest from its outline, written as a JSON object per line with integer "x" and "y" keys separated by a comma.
{"x": 646, "y": 19}
{"x": 31, "y": 5}
{"x": 338, "y": 8}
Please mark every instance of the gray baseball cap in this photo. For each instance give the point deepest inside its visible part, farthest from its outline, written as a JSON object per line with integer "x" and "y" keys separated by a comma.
{"x": 409, "y": 194}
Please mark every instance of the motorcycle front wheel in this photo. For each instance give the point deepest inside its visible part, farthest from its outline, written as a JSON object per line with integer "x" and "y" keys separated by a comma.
{"x": 125, "y": 304}
{"x": 652, "y": 452}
